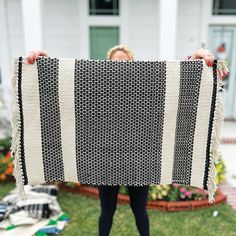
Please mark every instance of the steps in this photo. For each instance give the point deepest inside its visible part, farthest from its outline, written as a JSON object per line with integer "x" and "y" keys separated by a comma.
{"x": 230, "y": 191}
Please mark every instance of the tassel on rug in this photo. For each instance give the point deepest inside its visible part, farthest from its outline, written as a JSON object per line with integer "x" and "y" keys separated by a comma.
{"x": 216, "y": 130}
{"x": 16, "y": 129}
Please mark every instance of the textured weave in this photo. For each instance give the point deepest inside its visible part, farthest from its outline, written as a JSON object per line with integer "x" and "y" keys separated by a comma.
{"x": 104, "y": 122}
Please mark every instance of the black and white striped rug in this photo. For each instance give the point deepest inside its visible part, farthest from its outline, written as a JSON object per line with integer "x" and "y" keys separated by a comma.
{"x": 104, "y": 122}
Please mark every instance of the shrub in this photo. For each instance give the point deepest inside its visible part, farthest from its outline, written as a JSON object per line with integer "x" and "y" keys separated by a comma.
{"x": 6, "y": 161}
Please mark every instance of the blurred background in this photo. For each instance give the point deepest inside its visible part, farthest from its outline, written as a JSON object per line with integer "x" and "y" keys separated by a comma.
{"x": 154, "y": 29}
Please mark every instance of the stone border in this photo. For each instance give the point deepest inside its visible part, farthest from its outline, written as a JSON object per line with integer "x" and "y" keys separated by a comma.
{"x": 158, "y": 205}
{"x": 167, "y": 206}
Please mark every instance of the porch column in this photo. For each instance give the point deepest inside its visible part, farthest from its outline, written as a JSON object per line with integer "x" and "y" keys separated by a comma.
{"x": 31, "y": 12}
{"x": 168, "y": 25}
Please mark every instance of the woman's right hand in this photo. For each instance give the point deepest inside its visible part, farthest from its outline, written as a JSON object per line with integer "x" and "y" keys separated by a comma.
{"x": 34, "y": 54}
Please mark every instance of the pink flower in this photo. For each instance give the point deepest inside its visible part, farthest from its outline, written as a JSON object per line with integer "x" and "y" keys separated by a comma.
{"x": 176, "y": 185}
{"x": 182, "y": 190}
{"x": 187, "y": 193}
{"x": 202, "y": 191}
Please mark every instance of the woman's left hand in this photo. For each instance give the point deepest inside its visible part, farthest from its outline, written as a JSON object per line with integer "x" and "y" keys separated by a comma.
{"x": 209, "y": 59}
{"x": 203, "y": 54}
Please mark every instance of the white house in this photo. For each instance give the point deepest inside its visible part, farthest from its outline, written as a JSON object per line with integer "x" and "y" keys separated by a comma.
{"x": 154, "y": 29}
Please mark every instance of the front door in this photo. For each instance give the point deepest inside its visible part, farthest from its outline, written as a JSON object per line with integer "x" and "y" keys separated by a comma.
{"x": 222, "y": 42}
{"x": 102, "y": 39}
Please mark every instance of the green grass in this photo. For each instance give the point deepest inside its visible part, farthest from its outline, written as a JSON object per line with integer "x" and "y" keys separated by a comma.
{"x": 84, "y": 213}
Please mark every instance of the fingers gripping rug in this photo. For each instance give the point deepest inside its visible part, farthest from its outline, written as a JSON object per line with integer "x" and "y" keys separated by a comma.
{"x": 102, "y": 122}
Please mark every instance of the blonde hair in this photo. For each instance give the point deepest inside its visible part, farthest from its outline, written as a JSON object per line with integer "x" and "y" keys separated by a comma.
{"x": 122, "y": 48}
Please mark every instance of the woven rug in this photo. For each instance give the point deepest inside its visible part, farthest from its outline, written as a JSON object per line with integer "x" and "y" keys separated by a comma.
{"x": 102, "y": 122}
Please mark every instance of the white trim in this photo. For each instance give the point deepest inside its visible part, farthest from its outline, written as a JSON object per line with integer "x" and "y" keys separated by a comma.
{"x": 103, "y": 20}
{"x": 31, "y": 14}
{"x": 224, "y": 20}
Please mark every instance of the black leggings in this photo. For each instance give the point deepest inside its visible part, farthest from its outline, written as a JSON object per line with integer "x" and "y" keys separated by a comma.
{"x": 138, "y": 199}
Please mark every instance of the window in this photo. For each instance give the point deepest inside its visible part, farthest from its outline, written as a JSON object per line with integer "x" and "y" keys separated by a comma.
{"x": 224, "y": 7}
{"x": 104, "y": 7}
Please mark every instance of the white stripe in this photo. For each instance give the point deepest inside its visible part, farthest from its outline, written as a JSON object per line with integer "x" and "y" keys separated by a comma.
{"x": 67, "y": 116}
{"x": 170, "y": 114}
{"x": 32, "y": 129}
{"x": 201, "y": 129}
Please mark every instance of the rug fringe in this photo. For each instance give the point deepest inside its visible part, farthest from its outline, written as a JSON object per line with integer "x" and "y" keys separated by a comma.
{"x": 15, "y": 142}
{"x": 215, "y": 140}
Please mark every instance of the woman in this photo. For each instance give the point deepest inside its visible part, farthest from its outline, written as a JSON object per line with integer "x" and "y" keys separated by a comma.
{"x": 138, "y": 194}
{"x": 108, "y": 194}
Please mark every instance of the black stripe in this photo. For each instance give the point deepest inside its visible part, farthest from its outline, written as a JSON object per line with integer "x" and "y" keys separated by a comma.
{"x": 190, "y": 80}
{"x": 48, "y": 76}
{"x": 213, "y": 101}
{"x": 22, "y": 150}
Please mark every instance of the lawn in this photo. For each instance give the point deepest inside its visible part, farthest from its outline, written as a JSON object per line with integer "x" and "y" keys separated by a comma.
{"x": 84, "y": 212}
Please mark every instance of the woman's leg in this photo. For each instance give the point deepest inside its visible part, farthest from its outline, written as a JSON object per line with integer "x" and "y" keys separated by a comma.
{"x": 138, "y": 199}
{"x": 108, "y": 200}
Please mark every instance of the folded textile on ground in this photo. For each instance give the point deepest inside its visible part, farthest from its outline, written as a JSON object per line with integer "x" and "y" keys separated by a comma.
{"x": 3, "y": 209}
{"x": 104, "y": 122}
{"x": 36, "y": 204}
{"x": 40, "y": 227}
{"x": 54, "y": 226}
{"x": 38, "y": 211}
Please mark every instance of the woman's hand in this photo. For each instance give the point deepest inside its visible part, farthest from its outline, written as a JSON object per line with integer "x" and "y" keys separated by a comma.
{"x": 209, "y": 59}
{"x": 34, "y": 54}
{"x": 203, "y": 54}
